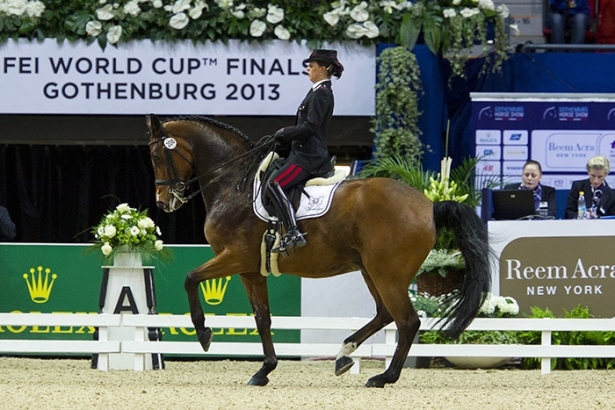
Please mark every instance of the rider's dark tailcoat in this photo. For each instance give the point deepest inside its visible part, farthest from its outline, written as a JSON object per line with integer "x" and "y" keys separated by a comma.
{"x": 309, "y": 135}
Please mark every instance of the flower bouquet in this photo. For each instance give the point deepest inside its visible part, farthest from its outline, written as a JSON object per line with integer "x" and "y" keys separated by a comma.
{"x": 127, "y": 230}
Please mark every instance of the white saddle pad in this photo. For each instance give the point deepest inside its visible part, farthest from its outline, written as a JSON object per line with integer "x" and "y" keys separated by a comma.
{"x": 319, "y": 190}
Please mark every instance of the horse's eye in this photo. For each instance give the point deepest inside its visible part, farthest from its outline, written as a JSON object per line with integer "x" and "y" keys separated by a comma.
{"x": 155, "y": 156}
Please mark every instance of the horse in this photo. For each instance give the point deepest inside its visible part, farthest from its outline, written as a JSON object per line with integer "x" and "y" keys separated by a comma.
{"x": 379, "y": 226}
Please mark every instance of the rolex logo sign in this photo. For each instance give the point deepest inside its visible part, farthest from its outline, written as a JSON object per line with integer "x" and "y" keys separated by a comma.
{"x": 40, "y": 284}
{"x": 214, "y": 290}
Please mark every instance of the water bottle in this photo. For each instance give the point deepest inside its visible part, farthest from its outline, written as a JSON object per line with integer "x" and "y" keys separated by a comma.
{"x": 582, "y": 206}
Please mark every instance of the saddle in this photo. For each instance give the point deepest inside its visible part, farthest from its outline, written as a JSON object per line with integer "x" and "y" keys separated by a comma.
{"x": 270, "y": 165}
{"x": 318, "y": 190}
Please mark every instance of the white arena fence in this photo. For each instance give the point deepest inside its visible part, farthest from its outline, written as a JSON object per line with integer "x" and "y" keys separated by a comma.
{"x": 546, "y": 350}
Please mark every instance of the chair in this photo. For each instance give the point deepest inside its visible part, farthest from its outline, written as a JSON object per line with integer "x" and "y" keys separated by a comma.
{"x": 590, "y": 35}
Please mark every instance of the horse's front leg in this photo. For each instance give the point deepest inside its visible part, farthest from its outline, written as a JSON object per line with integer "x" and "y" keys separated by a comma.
{"x": 256, "y": 289}
{"x": 220, "y": 266}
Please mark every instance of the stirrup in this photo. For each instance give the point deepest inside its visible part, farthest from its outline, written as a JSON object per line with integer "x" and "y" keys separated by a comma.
{"x": 292, "y": 239}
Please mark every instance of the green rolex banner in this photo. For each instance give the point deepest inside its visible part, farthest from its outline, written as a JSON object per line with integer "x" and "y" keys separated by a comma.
{"x": 61, "y": 278}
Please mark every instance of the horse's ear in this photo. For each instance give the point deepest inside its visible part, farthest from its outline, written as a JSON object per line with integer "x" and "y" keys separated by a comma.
{"x": 153, "y": 123}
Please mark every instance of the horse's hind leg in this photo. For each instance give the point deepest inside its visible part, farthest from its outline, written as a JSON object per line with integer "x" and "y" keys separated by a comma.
{"x": 397, "y": 301}
{"x": 344, "y": 362}
{"x": 256, "y": 289}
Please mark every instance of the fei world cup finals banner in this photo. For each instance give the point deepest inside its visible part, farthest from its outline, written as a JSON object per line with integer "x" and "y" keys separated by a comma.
{"x": 238, "y": 78}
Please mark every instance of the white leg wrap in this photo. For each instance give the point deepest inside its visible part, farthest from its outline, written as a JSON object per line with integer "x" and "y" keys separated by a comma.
{"x": 346, "y": 350}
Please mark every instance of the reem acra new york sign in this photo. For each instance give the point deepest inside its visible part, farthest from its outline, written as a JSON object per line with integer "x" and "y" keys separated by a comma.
{"x": 559, "y": 272}
{"x": 174, "y": 78}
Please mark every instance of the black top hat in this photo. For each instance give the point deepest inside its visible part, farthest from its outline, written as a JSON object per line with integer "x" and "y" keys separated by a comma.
{"x": 325, "y": 56}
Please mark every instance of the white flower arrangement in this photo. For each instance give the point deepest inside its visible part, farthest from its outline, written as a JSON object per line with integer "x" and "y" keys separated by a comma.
{"x": 499, "y": 306}
{"x": 22, "y": 8}
{"x": 126, "y": 229}
{"x": 366, "y": 21}
{"x": 494, "y": 306}
{"x": 449, "y": 27}
{"x": 454, "y": 27}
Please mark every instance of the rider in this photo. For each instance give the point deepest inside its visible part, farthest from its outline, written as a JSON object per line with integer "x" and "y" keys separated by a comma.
{"x": 309, "y": 155}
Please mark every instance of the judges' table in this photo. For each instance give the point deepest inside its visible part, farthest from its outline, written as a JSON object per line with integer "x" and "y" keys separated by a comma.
{"x": 556, "y": 264}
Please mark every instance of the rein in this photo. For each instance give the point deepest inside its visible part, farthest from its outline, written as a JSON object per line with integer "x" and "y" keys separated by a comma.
{"x": 177, "y": 187}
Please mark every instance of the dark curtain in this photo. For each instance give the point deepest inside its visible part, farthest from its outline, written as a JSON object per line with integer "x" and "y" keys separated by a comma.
{"x": 57, "y": 193}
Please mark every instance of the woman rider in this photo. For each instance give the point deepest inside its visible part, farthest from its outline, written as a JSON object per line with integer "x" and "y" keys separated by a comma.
{"x": 309, "y": 156}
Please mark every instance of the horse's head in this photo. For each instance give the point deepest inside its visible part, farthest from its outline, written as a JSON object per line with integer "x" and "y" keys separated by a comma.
{"x": 173, "y": 160}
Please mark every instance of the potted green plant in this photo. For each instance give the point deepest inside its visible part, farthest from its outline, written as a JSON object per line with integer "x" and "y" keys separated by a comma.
{"x": 442, "y": 270}
{"x": 456, "y": 184}
{"x": 426, "y": 305}
{"x": 493, "y": 307}
{"x": 395, "y": 123}
{"x": 453, "y": 27}
{"x": 442, "y": 261}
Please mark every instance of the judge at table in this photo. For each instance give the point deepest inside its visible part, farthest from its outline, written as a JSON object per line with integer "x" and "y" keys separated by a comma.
{"x": 544, "y": 196}
{"x": 599, "y": 196}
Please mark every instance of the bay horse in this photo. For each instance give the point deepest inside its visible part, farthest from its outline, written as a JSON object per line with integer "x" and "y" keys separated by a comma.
{"x": 378, "y": 226}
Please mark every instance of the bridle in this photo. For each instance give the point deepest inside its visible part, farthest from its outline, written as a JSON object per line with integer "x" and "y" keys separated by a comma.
{"x": 177, "y": 186}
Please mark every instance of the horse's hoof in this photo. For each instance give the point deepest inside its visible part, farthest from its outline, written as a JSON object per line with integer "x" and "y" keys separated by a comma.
{"x": 258, "y": 381}
{"x": 205, "y": 338}
{"x": 342, "y": 365}
{"x": 375, "y": 382}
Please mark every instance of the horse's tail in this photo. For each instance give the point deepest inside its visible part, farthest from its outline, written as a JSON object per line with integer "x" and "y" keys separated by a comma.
{"x": 472, "y": 241}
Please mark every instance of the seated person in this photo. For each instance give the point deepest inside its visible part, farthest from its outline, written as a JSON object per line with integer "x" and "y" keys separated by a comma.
{"x": 599, "y": 197}
{"x": 573, "y": 14}
{"x": 544, "y": 196}
{"x": 7, "y": 227}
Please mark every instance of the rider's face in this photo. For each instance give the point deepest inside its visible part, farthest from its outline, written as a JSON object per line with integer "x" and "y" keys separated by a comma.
{"x": 316, "y": 72}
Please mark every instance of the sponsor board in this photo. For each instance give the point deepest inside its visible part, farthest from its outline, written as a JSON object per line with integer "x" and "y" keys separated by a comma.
{"x": 488, "y": 137}
{"x": 566, "y": 150}
{"x": 489, "y": 152}
{"x": 515, "y": 152}
{"x": 59, "y": 279}
{"x": 515, "y": 137}
{"x": 556, "y": 264}
{"x": 562, "y": 132}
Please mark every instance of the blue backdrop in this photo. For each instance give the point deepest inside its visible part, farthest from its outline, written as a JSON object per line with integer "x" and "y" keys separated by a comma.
{"x": 553, "y": 72}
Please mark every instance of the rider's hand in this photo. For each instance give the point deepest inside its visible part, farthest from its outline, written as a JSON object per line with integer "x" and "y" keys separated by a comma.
{"x": 279, "y": 135}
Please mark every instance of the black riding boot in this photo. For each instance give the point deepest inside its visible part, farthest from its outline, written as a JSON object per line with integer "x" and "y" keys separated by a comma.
{"x": 285, "y": 211}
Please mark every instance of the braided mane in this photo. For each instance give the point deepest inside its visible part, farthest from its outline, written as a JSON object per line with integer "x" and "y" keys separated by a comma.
{"x": 211, "y": 121}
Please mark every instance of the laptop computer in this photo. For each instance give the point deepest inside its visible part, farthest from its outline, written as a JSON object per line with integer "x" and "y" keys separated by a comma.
{"x": 510, "y": 204}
